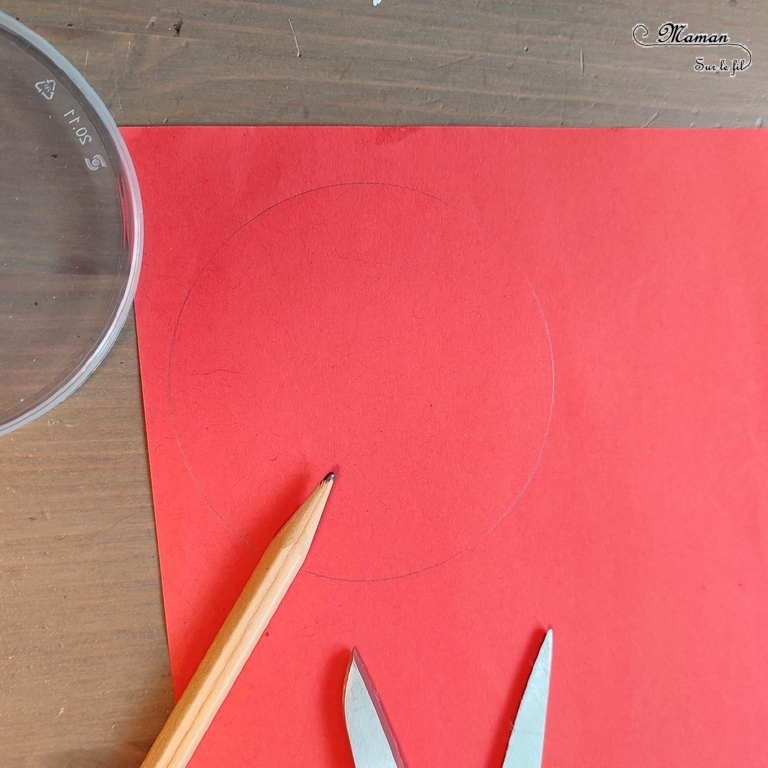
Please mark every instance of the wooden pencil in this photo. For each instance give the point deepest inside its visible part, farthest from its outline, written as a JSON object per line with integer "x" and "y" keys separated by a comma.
{"x": 238, "y": 636}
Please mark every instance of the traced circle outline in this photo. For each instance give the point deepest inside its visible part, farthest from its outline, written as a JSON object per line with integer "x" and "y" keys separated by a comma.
{"x": 547, "y": 332}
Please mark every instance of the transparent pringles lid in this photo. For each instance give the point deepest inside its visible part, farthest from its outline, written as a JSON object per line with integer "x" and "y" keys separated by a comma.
{"x": 71, "y": 227}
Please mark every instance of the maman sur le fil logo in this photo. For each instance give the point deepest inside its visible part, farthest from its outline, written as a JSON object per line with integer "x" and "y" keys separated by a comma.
{"x": 725, "y": 56}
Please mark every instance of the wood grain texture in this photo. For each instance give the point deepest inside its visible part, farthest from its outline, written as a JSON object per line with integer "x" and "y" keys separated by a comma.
{"x": 417, "y": 62}
{"x": 83, "y": 662}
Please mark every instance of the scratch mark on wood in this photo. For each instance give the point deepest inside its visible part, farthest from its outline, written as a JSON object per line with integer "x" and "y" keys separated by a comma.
{"x": 346, "y": 69}
{"x": 454, "y": 61}
{"x": 581, "y": 61}
{"x": 295, "y": 39}
{"x": 652, "y": 118}
{"x": 94, "y": 534}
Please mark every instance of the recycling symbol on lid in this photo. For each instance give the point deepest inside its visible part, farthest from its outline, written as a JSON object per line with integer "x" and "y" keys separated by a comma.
{"x": 46, "y": 88}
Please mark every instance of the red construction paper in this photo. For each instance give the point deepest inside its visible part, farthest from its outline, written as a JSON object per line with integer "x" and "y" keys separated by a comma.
{"x": 536, "y": 360}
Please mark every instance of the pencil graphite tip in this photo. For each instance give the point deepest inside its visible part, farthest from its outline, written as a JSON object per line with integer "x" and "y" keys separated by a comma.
{"x": 329, "y": 478}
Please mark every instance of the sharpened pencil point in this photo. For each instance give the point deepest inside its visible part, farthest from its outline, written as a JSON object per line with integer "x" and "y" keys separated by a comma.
{"x": 249, "y": 617}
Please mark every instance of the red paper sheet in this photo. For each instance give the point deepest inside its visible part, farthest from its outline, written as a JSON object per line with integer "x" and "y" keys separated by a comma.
{"x": 536, "y": 360}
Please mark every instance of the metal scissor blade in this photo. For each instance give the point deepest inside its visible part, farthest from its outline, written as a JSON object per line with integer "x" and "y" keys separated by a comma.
{"x": 373, "y": 744}
{"x": 526, "y": 744}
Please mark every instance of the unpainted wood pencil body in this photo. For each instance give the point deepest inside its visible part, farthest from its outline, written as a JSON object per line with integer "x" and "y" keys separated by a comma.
{"x": 238, "y": 636}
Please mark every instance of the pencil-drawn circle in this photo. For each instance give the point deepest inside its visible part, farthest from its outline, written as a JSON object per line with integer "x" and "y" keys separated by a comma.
{"x": 378, "y": 331}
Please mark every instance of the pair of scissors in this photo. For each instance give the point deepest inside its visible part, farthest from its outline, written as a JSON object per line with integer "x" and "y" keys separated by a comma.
{"x": 373, "y": 742}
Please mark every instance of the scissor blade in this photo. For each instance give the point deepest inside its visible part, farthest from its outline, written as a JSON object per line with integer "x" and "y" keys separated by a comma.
{"x": 373, "y": 744}
{"x": 526, "y": 744}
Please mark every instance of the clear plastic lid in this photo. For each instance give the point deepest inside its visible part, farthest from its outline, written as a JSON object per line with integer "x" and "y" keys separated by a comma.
{"x": 70, "y": 227}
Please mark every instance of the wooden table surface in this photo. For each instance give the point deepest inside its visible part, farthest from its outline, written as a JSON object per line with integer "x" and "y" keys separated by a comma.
{"x": 84, "y": 676}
